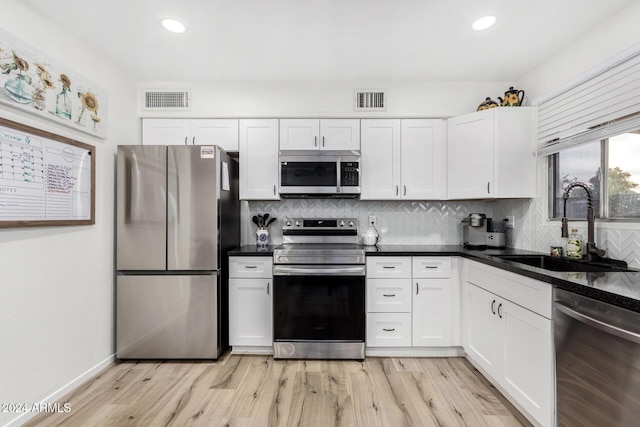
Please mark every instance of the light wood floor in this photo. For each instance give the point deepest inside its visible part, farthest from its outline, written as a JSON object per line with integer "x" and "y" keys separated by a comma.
{"x": 258, "y": 391}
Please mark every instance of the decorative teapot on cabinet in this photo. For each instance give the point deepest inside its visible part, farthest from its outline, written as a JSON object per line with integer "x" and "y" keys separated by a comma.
{"x": 487, "y": 103}
{"x": 512, "y": 98}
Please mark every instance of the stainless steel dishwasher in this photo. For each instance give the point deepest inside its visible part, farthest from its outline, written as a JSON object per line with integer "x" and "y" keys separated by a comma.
{"x": 597, "y": 349}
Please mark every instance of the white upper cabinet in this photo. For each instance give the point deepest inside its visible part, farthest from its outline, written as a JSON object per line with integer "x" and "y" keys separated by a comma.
{"x": 424, "y": 159}
{"x": 403, "y": 159}
{"x": 221, "y": 132}
{"x": 259, "y": 159}
{"x": 491, "y": 154}
{"x": 380, "y": 159}
{"x": 320, "y": 134}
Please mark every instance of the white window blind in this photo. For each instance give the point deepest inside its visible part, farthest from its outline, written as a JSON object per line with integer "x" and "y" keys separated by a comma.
{"x": 606, "y": 104}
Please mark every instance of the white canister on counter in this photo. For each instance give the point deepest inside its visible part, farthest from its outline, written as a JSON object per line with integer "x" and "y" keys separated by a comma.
{"x": 370, "y": 237}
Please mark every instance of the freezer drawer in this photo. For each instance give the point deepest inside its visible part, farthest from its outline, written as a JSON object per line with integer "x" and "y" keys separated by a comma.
{"x": 167, "y": 317}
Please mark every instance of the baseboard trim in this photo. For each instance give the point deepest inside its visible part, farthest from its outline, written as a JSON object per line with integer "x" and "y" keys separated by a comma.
{"x": 64, "y": 390}
{"x": 414, "y": 351}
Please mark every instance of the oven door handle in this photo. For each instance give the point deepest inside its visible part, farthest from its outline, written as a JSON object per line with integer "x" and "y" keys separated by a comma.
{"x": 281, "y": 270}
{"x": 598, "y": 324}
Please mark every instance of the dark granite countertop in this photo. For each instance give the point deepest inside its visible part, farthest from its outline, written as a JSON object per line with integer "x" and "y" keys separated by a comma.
{"x": 618, "y": 288}
{"x": 252, "y": 250}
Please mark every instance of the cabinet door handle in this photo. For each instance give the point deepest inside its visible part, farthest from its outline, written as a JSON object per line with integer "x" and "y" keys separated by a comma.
{"x": 489, "y": 187}
{"x": 185, "y": 140}
{"x": 499, "y": 307}
{"x": 417, "y": 288}
{"x": 405, "y": 190}
{"x": 268, "y": 284}
{"x": 493, "y": 304}
{"x": 389, "y": 329}
{"x": 396, "y": 190}
{"x": 315, "y": 141}
{"x": 388, "y": 295}
{"x": 430, "y": 266}
{"x": 389, "y": 267}
{"x": 193, "y": 141}
{"x": 250, "y": 266}
{"x": 323, "y": 141}
{"x": 274, "y": 189}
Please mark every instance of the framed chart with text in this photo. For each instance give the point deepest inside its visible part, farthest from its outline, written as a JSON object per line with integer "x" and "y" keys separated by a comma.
{"x": 45, "y": 179}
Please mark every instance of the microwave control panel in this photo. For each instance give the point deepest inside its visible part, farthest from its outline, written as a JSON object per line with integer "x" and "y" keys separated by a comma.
{"x": 349, "y": 174}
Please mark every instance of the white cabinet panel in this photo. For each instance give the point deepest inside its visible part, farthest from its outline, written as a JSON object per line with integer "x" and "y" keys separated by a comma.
{"x": 491, "y": 154}
{"x": 388, "y": 329}
{"x": 340, "y": 134}
{"x": 259, "y": 159}
{"x": 221, "y": 132}
{"x": 512, "y": 344}
{"x": 320, "y": 134}
{"x": 528, "y": 368}
{"x": 250, "y": 302}
{"x": 403, "y": 159}
{"x": 380, "y": 158}
{"x": 424, "y": 159}
{"x": 432, "y": 313}
{"x": 166, "y": 131}
{"x": 250, "y": 312}
{"x": 389, "y": 295}
{"x": 431, "y": 267}
{"x": 389, "y": 267}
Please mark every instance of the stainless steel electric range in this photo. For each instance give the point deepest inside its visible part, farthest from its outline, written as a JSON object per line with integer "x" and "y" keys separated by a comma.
{"x": 319, "y": 290}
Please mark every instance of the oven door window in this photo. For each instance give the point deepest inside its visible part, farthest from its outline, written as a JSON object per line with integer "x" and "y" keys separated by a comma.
{"x": 319, "y": 308}
{"x": 308, "y": 174}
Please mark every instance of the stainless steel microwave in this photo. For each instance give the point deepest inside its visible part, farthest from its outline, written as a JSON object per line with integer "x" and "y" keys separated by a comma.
{"x": 326, "y": 174}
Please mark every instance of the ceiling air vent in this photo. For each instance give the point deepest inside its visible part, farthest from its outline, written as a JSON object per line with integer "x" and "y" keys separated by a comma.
{"x": 369, "y": 100}
{"x": 166, "y": 100}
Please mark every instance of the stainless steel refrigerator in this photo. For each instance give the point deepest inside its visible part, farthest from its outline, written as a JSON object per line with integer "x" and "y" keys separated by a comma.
{"x": 177, "y": 216}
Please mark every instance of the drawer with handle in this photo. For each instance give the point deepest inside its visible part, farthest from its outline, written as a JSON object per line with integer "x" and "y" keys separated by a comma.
{"x": 389, "y": 295}
{"x": 388, "y": 267}
{"x": 389, "y": 330}
{"x": 431, "y": 267}
{"x": 250, "y": 267}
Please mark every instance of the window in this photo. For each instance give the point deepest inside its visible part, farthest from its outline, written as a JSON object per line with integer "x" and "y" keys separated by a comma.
{"x": 615, "y": 193}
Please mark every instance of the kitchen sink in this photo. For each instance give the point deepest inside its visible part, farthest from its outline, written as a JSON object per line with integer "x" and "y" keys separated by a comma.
{"x": 547, "y": 262}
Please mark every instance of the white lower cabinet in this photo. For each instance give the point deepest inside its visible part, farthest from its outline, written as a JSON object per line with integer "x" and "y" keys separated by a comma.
{"x": 432, "y": 313}
{"x": 511, "y": 343}
{"x": 409, "y": 302}
{"x": 250, "y": 302}
{"x": 389, "y": 329}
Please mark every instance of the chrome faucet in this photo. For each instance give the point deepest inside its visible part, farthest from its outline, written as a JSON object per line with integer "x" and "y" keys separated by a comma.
{"x": 592, "y": 250}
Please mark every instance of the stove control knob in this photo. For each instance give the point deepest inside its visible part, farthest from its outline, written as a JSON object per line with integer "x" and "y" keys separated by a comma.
{"x": 288, "y": 223}
{"x": 351, "y": 224}
{"x": 341, "y": 224}
{"x": 298, "y": 223}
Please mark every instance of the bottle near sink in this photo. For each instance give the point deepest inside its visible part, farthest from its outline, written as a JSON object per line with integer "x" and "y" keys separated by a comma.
{"x": 575, "y": 245}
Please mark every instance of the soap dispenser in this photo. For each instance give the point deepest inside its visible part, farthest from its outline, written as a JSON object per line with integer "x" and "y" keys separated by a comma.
{"x": 575, "y": 245}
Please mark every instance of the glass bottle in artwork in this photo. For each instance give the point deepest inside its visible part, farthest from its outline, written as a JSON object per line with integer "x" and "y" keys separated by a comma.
{"x": 63, "y": 104}
{"x": 18, "y": 89}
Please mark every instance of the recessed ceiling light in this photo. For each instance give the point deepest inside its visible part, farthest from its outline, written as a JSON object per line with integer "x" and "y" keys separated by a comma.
{"x": 483, "y": 23}
{"x": 173, "y": 25}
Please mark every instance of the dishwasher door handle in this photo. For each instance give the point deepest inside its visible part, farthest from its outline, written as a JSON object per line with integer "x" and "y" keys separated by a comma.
{"x": 598, "y": 324}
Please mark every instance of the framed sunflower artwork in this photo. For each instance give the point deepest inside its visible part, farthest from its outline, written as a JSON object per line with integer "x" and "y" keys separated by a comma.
{"x": 33, "y": 82}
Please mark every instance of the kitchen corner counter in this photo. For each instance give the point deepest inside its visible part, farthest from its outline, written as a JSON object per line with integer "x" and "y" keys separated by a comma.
{"x": 618, "y": 288}
{"x": 252, "y": 250}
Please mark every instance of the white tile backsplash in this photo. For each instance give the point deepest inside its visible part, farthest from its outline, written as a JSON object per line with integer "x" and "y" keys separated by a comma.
{"x": 399, "y": 222}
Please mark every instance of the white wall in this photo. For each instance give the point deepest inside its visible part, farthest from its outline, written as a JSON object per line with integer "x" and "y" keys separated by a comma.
{"x": 328, "y": 98}
{"x": 533, "y": 231}
{"x": 57, "y": 286}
